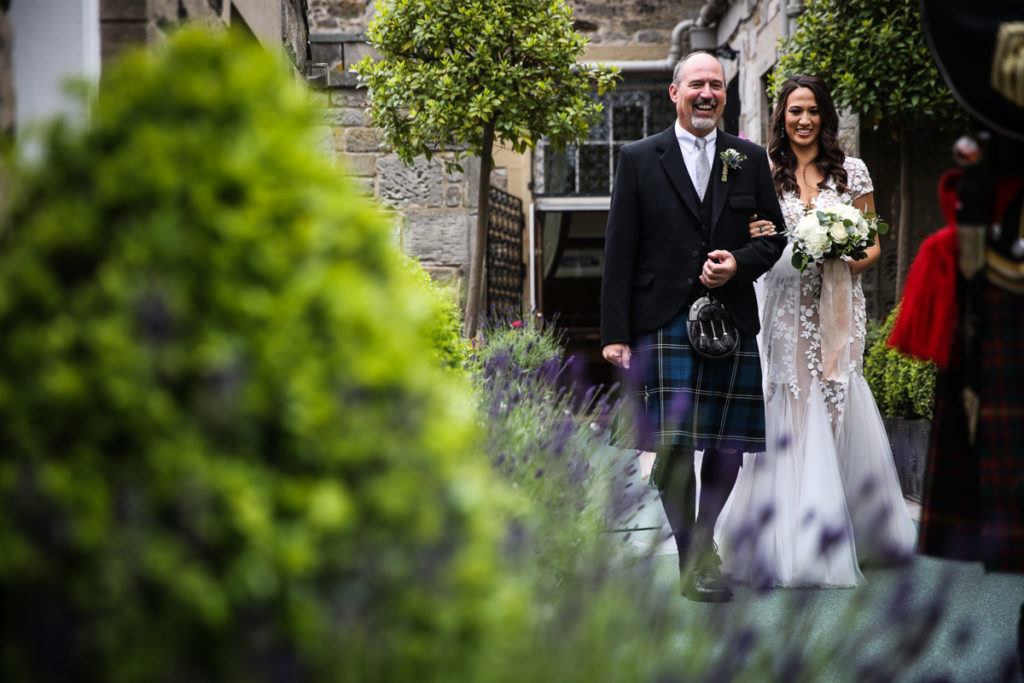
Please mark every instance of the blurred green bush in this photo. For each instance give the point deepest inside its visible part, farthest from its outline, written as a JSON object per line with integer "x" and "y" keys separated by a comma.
{"x": 903, "y": 387}
{"x": 229, "y": 450}
{"x": 453, "y": 351}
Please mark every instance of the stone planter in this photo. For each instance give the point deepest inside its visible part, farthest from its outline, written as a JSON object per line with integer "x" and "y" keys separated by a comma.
{"x": 909, "y": 441}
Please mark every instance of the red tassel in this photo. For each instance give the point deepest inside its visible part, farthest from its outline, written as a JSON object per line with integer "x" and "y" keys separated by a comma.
{"x": 927, "y": 315}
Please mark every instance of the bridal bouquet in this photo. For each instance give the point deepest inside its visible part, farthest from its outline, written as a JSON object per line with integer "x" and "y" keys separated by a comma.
{"x": 838, "y": 230}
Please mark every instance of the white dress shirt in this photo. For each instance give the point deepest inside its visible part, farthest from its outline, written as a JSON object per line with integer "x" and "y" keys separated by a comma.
{"x": 688, "y": 146}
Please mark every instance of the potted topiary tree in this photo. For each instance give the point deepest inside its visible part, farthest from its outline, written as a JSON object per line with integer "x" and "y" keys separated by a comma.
{"x": 904, "y": 389}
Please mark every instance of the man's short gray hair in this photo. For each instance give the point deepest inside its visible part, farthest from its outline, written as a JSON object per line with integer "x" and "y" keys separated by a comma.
{"x": 677, "y": 72}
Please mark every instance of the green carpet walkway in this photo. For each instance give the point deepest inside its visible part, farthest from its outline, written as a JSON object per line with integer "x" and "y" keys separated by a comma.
{"x": 955, "y": 621}
{"x": 974, "y": 636}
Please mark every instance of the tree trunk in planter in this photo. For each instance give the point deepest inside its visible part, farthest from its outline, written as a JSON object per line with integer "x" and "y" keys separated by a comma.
{"x": 909, "y": 441}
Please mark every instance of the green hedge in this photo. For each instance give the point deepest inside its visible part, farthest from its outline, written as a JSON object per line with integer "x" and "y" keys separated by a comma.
{"x": 229, "y": 450}
{"x": 902, "y": 386}
{"x": 452, "y": 350}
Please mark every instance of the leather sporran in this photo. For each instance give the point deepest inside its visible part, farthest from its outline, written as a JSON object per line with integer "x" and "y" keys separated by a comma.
{"x": 712, "y": 330}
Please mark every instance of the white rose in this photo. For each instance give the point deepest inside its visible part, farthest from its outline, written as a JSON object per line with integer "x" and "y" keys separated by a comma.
{"x": 837, "y": 231}
{"x": 817, "y": 244}
{"x": 811, "y": 236}
{"x": 807, "y": 226}
{"x": 860, "y": 230}
{"x": 847, "y": 211}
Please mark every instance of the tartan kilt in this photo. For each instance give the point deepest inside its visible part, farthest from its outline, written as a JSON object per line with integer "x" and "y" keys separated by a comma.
{"x": 693, "y": 403}
{"x": 974, "y": 497}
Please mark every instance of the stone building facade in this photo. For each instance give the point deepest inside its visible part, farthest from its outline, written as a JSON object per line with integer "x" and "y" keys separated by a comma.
{"x": 434, "y": 211}
{"x": 566, "y": 196}
{"x": 89, "y": 32}
{"x": 274, "y": 22}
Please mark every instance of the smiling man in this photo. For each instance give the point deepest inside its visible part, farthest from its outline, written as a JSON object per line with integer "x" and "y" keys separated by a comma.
{"x": 699, "y": 94}
{"x": 677, "y": 230}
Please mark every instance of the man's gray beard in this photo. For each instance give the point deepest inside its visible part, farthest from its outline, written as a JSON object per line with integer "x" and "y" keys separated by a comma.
{"x": 702, "y": 123}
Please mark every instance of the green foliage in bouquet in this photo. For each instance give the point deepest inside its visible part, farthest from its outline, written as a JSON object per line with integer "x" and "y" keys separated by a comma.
{"x": 229, "y": 450}
{"x": 902, "y": 386}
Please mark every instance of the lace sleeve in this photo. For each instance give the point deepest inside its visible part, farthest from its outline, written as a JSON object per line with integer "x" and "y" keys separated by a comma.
{"x": 858, "y": 180}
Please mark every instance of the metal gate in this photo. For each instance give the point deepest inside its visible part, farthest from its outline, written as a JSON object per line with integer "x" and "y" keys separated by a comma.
{"x": 505, "y": 270}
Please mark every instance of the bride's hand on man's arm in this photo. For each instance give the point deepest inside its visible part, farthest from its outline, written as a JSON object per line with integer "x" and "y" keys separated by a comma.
{"x": 760, "y": 227}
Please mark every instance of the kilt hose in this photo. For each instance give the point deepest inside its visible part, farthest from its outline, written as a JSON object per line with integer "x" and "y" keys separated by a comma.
{"x": 974, "y": 497}
{"x": 690, "y": 403}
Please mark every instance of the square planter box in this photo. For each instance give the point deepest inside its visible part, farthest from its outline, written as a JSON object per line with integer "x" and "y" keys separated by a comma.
{"x": 909, "y": 442}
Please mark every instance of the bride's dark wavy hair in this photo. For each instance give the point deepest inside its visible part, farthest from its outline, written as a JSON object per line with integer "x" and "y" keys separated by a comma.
{"x": 830, "y": 155}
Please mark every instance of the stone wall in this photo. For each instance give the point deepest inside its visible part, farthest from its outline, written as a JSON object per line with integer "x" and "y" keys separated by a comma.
{"x": 339, "y": 16}
{"x": 631, "y": 23}
{"x": 602, "y": 21}
{"x": 295, "y": 32}
{"x": 133, "y": 22}
{"x": 141, "y": 22}
{"x": 435, "y": 211}
{"x": 6, "y": 74}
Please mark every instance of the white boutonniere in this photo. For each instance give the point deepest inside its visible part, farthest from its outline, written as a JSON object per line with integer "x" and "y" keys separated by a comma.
{"x": 731, "y": 159}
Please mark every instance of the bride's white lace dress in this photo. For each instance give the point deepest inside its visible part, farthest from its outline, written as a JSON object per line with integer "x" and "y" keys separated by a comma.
{"x": 826, "y": 492}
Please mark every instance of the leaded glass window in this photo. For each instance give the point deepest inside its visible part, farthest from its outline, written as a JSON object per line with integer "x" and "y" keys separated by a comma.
{"x": 633, "y": 111}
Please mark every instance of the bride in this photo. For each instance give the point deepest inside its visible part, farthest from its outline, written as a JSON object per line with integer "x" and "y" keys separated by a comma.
{"x": 825, "y": 495}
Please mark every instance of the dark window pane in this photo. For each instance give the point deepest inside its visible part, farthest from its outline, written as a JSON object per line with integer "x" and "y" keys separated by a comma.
{"x": 635, "y": 110}
{"x": 599, "y": 130}
{"x": 662, "y": 112}
{"x": 629, "y": 108}
{"x": 560, "y": 171}
{"x": 594, "y": 171}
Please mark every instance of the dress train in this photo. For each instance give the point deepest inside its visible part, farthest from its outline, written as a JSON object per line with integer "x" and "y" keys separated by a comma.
{"x": 881, "y": 525}
{"x": 786, "y": 522}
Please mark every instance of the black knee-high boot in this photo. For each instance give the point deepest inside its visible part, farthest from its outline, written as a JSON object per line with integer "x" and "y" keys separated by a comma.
{"x": 698, "y": 578}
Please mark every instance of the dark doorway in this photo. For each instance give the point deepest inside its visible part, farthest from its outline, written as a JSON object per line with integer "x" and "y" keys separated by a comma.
{"x": 572, "y": 259}
{"x": 731, "y": 115}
